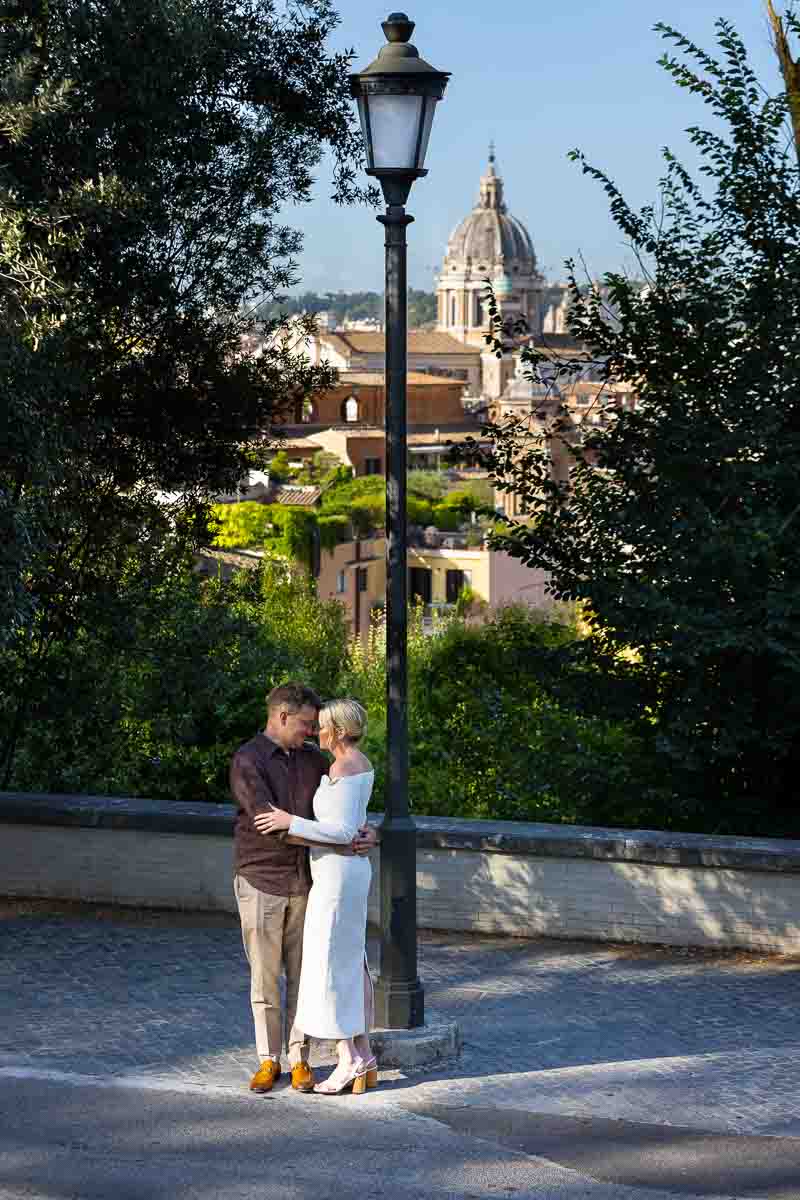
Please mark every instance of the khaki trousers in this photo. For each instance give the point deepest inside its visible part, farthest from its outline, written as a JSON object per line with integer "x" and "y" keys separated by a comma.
{"x": 272, "y": 932}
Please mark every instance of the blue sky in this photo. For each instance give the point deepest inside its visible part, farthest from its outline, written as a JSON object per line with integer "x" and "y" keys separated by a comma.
{"x": 540, "y": 79}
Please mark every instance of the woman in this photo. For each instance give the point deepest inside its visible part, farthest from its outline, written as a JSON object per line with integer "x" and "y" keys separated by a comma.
{"x": 335, "y": 998}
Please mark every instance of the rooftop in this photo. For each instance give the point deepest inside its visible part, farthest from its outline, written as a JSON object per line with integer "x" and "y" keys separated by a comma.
{"x": 414, "y": 379}
{"x": 303, "y": 497}
{"x": 420, "y": 341}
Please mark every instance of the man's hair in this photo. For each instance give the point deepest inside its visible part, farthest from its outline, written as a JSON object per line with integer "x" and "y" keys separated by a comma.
{"x": 293, "y": 697}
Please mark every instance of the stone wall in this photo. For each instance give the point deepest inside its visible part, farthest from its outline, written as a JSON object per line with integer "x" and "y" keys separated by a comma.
{"x": 493, "y": 877}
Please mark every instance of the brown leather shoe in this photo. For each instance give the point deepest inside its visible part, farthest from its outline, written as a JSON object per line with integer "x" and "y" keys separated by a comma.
{"x": 265, "y": 1076}
{"x": 302, "y": 1077}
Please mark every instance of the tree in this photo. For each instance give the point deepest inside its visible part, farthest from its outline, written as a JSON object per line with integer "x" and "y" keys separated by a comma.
{"x": 790, "y": 67}
{"x": 145, "y": 155}
{"x": 279, "y": 468}
{"x": 350, "y": 306}
{"x": 678, "y": 524}
{"x": 422, "y": 308}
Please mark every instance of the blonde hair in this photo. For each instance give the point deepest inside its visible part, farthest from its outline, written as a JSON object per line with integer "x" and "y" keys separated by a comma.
{"x": 346, "y": 718}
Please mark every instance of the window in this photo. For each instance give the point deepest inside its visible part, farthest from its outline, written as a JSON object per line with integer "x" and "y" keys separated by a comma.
{"x": 361, "y": 579}
{"x": 453, "y": 309}
{"x": 454, "y": 582}
{"x": 372, "y": 466}
{"x": 341, "y": 582}
{"x": 420, "y": 584}
{"x": 351, "y": 409}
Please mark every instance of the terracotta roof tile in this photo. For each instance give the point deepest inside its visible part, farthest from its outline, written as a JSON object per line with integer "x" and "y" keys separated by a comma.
{"x": 420, "y": 341}
{"x": 303, "y": 497}
{"x": 414, "y": 378}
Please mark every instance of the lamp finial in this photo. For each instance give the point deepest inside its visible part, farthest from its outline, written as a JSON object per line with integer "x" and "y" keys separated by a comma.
{"x": 397, "y": 27}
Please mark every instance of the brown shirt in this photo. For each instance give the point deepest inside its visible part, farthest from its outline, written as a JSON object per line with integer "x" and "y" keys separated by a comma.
{"x": 263, "y": 774}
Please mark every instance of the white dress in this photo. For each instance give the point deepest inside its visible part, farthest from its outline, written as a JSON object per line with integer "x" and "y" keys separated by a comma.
{"x": 331, "y": 998}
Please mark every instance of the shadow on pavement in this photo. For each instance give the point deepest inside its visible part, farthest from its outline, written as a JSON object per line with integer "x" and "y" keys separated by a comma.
{"x": 684, "y": 1161}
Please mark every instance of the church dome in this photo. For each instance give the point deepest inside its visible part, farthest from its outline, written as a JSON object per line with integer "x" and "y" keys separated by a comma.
{"x": 490, "y": 237}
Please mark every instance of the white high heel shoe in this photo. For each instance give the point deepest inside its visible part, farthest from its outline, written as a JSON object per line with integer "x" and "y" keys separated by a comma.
{"x": 356, "y": 1080}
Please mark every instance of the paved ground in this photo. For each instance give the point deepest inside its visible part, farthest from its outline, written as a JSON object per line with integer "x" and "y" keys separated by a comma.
{"x": 588, "y": 1071}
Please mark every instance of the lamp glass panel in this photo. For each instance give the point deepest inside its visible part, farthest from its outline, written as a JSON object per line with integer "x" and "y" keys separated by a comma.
{"x": 394, "y": 123}
{"x": 362, "y": 116}
{"x": 427, "y": 122}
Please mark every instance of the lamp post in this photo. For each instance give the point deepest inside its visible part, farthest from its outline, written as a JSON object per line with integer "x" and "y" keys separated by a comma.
{"x": 397, "y": 96}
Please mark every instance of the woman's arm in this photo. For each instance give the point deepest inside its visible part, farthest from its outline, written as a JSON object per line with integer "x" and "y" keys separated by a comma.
{"x": 341, "y": 830}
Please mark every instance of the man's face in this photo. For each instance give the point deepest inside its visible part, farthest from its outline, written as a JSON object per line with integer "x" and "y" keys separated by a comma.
{"x": 295, "y": 727}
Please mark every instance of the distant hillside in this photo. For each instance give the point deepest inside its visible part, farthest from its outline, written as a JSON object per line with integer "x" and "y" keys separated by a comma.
{"x": 353, "y": 306}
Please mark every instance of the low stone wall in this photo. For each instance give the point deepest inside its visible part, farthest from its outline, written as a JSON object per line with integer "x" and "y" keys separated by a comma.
{"x": 487, "y": 876}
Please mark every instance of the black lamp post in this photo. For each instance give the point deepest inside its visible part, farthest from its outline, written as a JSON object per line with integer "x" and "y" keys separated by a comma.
{"x": 397, "y": 96}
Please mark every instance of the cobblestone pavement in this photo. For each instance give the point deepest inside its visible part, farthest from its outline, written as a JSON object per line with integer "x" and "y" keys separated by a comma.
{"x": 691, "y": 1039}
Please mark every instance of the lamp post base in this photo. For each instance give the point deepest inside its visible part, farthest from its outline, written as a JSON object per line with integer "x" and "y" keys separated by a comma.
{"x": 416, "y": 1047}
{"x": 399, "y": 1005}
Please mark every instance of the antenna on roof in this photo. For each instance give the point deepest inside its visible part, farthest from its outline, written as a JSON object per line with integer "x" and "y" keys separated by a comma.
{"x": 491, "y": 151}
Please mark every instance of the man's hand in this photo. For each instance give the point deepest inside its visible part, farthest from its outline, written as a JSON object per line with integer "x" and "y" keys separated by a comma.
{"x": 365, "y": 840}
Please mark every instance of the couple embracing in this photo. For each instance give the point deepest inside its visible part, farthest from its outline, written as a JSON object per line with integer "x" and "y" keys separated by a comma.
{"x": 301, "y": 881}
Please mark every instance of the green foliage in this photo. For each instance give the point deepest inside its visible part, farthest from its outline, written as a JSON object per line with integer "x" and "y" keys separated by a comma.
{"x": 279, "y": 469}
{"x": 469, "y": 603}
{"x": 488, "y": 738}
{"x": 241, "y": 526}
{"x": 298, "y": 534}
{"x": 422, "y": 308}
{"x": 480, "y": 492}
{"x": 351, "y": 306}
{"x": 367, "y": 515}
{"x": 429, "y": 484}
{"x": 419, "y": 511}
{"x": 679, "y": 529}
{"x": 445, "y": 517}
{"x": 361, "y": 501}
{"x": 148, "y": 152}
{"x": 283, "y": 530}
{"x": 501, "y": 718}
{"x": 333, "y": 529}
{"x": 364, "y": 487}
{"x": 474, "y": 497}
{"x": 322, "y": 468}
{"x": 163, "y": 708}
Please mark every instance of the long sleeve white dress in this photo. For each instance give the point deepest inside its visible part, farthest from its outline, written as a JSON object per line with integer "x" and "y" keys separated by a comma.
{"x": 331, "y": 998}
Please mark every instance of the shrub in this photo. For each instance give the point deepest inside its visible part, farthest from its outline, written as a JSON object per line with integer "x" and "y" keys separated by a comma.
{"x": 161, "y": 714}
{"x": 241, "y": 526}
{"x": 446, "y": 518}
{"x": 488, "y": 737}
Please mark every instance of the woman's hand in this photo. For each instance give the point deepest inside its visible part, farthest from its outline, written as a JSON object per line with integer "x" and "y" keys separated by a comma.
{"x": 275, "y": 821}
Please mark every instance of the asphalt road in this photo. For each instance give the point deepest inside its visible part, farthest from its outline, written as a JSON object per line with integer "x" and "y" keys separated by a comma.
{"x": 588, "y": 1072}
{"x": 73, "y": 1141}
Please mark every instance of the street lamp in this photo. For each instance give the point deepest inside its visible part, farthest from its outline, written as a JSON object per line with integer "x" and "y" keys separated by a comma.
{"x": 397, "y": 96}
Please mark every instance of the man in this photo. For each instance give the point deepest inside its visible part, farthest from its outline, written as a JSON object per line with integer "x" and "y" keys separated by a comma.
{"x": 279, "y": 768}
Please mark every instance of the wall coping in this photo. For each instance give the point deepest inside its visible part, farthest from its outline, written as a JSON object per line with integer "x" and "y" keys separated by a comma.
{"x": 537, "y": 840}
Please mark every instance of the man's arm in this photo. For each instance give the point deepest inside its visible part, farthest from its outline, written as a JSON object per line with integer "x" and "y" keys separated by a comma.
{"x": 362, "y": 843}
{"x": 249, "y": 788}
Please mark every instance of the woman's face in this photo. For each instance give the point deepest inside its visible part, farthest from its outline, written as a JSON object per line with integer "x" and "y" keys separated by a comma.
{"x": 325, "y": 737}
